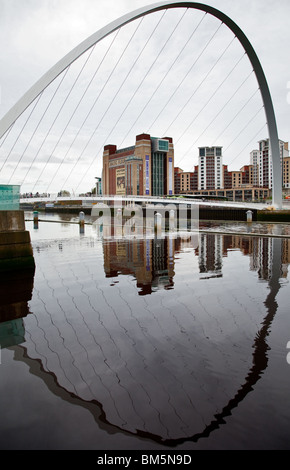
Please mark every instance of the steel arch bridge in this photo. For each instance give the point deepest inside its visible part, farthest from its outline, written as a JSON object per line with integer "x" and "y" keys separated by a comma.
{"x": 13, "y": 114}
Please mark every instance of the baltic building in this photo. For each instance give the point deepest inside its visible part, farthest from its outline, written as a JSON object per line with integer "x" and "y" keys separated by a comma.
{"x": 146, "y": 168}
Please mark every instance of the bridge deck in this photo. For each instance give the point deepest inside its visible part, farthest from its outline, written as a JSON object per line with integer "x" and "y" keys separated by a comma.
{"x": 89, "y": 201}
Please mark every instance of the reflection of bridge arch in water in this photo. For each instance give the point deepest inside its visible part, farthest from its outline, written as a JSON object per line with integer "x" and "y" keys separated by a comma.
{"x": 66, "y": 61}
{"x": 259, "y": 364}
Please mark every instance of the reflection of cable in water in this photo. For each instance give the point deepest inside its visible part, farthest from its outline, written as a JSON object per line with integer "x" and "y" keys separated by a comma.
{"x": 46, "y": 339}
{"x": 259, "y": 364}
{"x": 110, "y": 307}
{"x": 180, "y": 383}
{"x": 146, "y": 367}
{"x": 105, "y": 359}
{"x": 52, "y": 322}
{"x": 83, "y": 347}
{"x": 161, "y": 385}
{"x": 116, "y": 316}
{"x": 72, "y": 327}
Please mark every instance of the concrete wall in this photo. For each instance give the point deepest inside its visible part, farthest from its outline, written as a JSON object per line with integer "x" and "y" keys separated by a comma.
{"x": 12, "y": 221}
{"x": 15, "y": 244}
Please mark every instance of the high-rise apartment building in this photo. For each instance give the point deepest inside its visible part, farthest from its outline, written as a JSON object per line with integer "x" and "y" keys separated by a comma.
{"x": 210, "y": 175}
{"x": 265, "y": 162}
{"x": 254, "y": 161}
{"x": 286, "y": 172}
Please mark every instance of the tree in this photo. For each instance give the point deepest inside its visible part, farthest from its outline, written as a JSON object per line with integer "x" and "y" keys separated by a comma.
{"x": 63, "y": 193}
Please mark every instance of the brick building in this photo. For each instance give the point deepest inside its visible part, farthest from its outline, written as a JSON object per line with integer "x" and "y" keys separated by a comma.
{"x": 146, "y": 168}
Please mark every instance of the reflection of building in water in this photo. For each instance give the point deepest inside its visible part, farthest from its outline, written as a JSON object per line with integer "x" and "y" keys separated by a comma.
{"x": 260, "y": 250}
{"x": 15, "y": 292}
{"x": 249, "y": 246}
{"x": 285, "y": 256}
{"x": 210, "y": 254}
{"x": 151, "y": 261}
{"x": 227, "y": 244}
{"x": 243, "y": 244}
{"x": 212, "y": 247}
{"x": 265, "y": 258}
{"x": 254, "y": 253}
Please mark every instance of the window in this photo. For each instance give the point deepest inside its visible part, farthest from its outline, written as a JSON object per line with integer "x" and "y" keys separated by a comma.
{"x": 157, "y": 174}
{"x": 209, "y": 152}
{"x": 163, "y": 145}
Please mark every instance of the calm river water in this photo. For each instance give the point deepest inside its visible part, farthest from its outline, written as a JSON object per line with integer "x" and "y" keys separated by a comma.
{"x": 178, "y": 342}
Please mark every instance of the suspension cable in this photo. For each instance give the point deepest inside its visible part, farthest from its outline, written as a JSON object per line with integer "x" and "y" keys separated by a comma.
{"x": 109, "y": 77}
{"x": 213, "y": 94}
{"x": 108, "y": 107}
{"x": 146, "y": 74}
{"x": 242, "y": 130}
{"x": 222, "y": 109}
{"x": 6, "y": 134}
{"x": 46, "y": 110}
{"x": 63, "y": 77}
{"x": 92, "y": 135}
{"x": 259, "y": 132}
{"x": 180, "y": 83}
{"x": 128, "y": 103}
{"x": 31, "y": 112}
{"x": 76, "y": 107}
{"x": 236, "y": 115}
{"x": 225, "y": 105}
{"x": 160, "y": 83}
{"x": 108, "y": 49}
{"x": 149, "y": 70}
{"x": 205, "y": 47}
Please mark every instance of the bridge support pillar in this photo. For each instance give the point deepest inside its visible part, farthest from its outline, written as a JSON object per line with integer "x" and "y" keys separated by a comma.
{"x": 17, "y": 270}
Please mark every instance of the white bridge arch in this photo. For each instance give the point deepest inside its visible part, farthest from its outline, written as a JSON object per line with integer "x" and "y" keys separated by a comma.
{"x": 13, "y": 114}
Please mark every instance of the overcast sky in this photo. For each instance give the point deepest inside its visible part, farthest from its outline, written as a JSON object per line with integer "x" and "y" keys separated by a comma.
{"x": 35, "y": 34}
